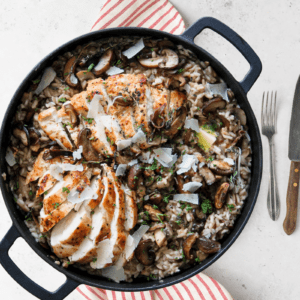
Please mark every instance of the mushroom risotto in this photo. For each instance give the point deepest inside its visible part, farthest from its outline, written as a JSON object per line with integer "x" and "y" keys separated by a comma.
{"x": 129, "y": 157}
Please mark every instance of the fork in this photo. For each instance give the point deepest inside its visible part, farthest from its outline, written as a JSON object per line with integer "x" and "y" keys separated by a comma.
{"x": 268, "y": 120}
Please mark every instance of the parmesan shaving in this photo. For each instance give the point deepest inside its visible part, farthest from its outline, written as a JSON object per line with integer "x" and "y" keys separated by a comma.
{"x": 229, "y": 160}
{"x": 188, "y": 162}
{"x": 48, "y": 76}
{"x": 121, "y": 170}
{"x": 133, "y": 162}
{"x": 88, "y": 193}
{"x": 164, "y": 156}
{"x": 114, "y": 273}
{"x": 138, "y": 138}
{"x": 192, "y": 124}
{"x": 10, "y": 157}
{"x": 191, "y": 198}
{"x": 77, "y": 153}
{"x": 134, "y": 50}
{"x": 219, "y": 89}
{"x": 192, "y": 186}
{"x": 114, "y": 71}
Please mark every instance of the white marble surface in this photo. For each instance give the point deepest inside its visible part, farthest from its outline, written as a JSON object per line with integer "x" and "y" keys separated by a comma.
{"x": 263, "y": 263}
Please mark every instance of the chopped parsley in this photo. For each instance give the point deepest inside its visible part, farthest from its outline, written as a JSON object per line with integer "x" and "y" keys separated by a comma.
{"x": 36, "y": 81}
{"x": 92, "y": 138}
{"x": 197, "y": 259}
{"x": 232, "y": 177}
{"x": 180, "y": 71}
{"x": 155, "y": 206}
{"x": 65, "y": 189}
{"x": 91, "y": 66}
{"x": 159, "y": 178}
{"x": 46, "y": 193}
{"x": 89, "y": 120}
{"x": 153, "y": 166}
{"x": 30, "y": 193}
{"x": 188, "y": 207}
{"x": 166, "y": 198}
{"x": 206, "y": 206}
{"x": 62, "y": 100}
{"x": 67, "y": 88}
{"x": 94, "y": 259}
{"x": 231, "y": 207}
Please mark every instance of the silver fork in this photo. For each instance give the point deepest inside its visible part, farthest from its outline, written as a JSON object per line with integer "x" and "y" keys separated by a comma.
{"x": 268, "y": 121}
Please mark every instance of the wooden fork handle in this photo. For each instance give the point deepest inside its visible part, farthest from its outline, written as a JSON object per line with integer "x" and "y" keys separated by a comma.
{"x": 289, "y": 223}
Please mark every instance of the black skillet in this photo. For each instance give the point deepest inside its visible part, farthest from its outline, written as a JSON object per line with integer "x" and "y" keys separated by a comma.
{"x": 76, "y": 277}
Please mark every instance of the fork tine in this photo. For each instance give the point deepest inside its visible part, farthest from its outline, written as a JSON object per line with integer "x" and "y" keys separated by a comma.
{"x": 266, "y": 112}
{"x": 262, "y": 110}
{"x": 274, "y": 112}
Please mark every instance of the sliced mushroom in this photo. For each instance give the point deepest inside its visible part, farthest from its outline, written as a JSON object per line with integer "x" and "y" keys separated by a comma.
{"x": 188, "y": 244}
{"x": 221, "y": 195}
{"x": 208, "y": 175}
{"x": 239, "y": 114}
{"x": 170, "y": 61}
{"x": 156, "y": 226}
{"x": 151, "y": 62}
{"x": 187, "y": 136}
{"x": 155, "y": 214}
{"x": 69, "y": 70}
{"x": 104, "y": 62}
{"x": 168, "y": 231}
{"x": 22, "y": 135}
{"x": 208, "y": 246}
{"x": 149, "y": 177}
{"x": 224, "y": 120}
{"x": 177, "y": 124}
{"x": 157, "y": 120}
{"x": 155, "y": 198}
{"x": 55, "y": 152}
{"x": 144, "y": 252}
{"x": 88, "y": 151}
{"x": 175, "y": 81}
{"x": 160, "y": 237}
{"x": 180, "y": 182}
{"x": 84, "y": 76}
{"x": 240, "y": 135}
{"x": 221, "y": 167}
{"x": 70, "y": 111}
{"x": 213, "y": 105}
{"x": 133, "y": 176}
{"x": 34, "y": 135}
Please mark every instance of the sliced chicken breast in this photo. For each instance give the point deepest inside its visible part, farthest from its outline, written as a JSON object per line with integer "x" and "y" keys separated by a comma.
{"x": 101, "y": 221}
{"x": 109, "y": 251}
{"x": 177, "y": 100}
{"x": 40, "y": 167}
{"x": 79, "y": 103}
{"x": 45, "y": 183}
{"x": 68, "y": 234}
{"x": 131, "y": 210}
{"x": 52, "y": 126}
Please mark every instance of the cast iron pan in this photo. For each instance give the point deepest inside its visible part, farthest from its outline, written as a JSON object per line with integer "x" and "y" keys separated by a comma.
{"x": 76, "y": 277}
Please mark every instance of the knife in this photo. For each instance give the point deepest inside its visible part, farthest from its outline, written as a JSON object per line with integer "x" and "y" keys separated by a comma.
{"x": 289, "y": 223}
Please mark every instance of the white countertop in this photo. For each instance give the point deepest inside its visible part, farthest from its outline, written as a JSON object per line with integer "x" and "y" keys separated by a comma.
{"x": 264, "y": 262}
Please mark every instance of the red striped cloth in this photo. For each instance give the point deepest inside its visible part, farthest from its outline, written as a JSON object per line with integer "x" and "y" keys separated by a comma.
{"x": 161, "y": 15}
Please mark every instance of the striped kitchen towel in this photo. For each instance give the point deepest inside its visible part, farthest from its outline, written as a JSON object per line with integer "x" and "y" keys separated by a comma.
{"x": 160, "y": 15}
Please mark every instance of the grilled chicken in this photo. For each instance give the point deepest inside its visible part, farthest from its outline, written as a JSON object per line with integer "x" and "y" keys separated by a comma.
{"x": 131, "y": 210}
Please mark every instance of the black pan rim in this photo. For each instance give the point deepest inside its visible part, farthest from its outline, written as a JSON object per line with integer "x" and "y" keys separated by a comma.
{"x": 84, "y": 277}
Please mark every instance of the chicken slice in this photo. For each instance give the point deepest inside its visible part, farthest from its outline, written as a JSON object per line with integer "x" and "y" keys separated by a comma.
{"x": 45, "y": 183}
{"x": 40, "y": 167}
{"x": 101, "y": 220}
{"x": 52, "y": 126}
{"x": 177, "y": 100}
{"x": 68, "y": 234}
{"x": 131, "y": 210}
{"x": 79, "y": 103}
{"x": 109, "y": 250}
{"x": 126, "y": 121}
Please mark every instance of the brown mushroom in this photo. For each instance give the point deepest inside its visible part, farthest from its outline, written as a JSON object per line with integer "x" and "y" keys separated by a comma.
{"x": 133, "y": 176}
{"x": 176, "y": 124}
{"x": 188, "y": 244}
{"x": 170, "y": 61}
{"x": 241, "y": 133}
{"x": 34, "y": 136}
{"x": 224, "y": 120}
{"x": 157, "y": 120}
{"x": 104, "y": 62}
{"x": 208, "y": 175}
{"x": 70, "y": 111}
{"x": 180, "y": 182}
{"x": 240, "y": 115}
{"x": 160, "y": 237}
{"x": 151, "y": 62}
{"x": 221, "y": 195}
{"x": 149, "y": 177}
{"x": 155, "y": 198}
{"x": 213, "y": 105}
{"x": 156, "y": 226}
{"x": 144, "y": 252}
{"x": 22, "y": 135}
{"x": 165, "y": 43}
{"x": 175, "y": 81}
{"x": 208, "y": 246}
{"x": 84, "y": 76}
{"x": 69, "y": 70}
{"x": 187, "y": 136}
{"x": 221, "y": 167}
{"x": 88, "y": 151}
{"x": 168, "y": 231}
{"x": 155, "y": 214}
{"x": 55, "y": 152}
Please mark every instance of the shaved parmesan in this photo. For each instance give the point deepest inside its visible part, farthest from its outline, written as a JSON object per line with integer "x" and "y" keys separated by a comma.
{"x": 191, "y": 198}
{"x": 165, "y": 157}
{"x": 102, "y": 257}
{"x": 147, "y": 197}
{"x": 114, "y": 71}
{"x": 192, "y": 186}
{"x": 133, "y": 162}
{"x": 219, "y": 89}
{"x": 107, "y": 122}
{"x": 121, "y": 170}
{"x": 56, "y": 171}
{"x": 114, "y": 273}
{"x": 138, "y": 138}
{"x": 77, "y": 153}
{"x": 134, "y": 50}
{"x": 145, "y": 157}
{"x": 229, "y": 160}
{"x": 95, "y": 107}
{"x": 193, "y": 124}
{"x": 123, "y": 144}
{"x": 70, "y": 167}
{"x": 10, "y": 157}
{"x": 87, "y": 194}
{"x": 188, "y": 162}
{"x": 47, "y": 78}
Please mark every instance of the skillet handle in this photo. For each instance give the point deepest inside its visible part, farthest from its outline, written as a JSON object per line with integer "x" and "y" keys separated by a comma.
{"x": 235, "y": 40}
{"x": 29, "y": 285}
